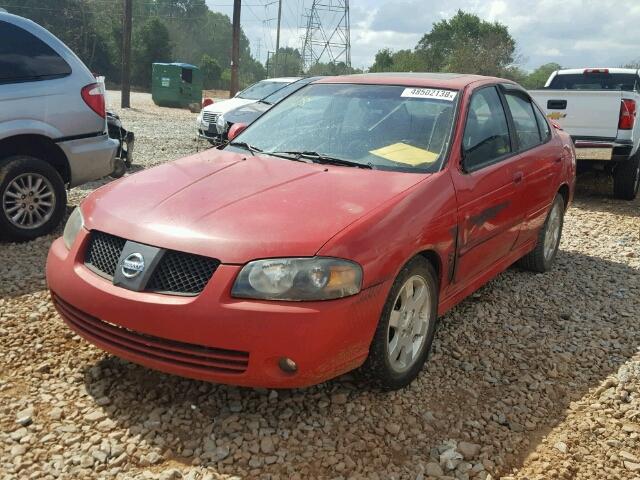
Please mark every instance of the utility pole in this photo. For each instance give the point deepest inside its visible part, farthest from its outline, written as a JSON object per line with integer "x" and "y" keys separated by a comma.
{"x": 125, "y": 101}
{"x": 275, "y": 67}
{"x": 235, "y": 48}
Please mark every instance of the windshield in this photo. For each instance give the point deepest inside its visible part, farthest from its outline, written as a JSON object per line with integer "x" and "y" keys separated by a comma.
{"x": 382, "y": 126}
{"x": 261, "y": 90}
{"x": 596, "y": 81}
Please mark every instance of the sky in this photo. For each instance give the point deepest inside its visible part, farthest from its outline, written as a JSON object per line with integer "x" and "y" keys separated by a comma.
{"x": 573, "y": 33}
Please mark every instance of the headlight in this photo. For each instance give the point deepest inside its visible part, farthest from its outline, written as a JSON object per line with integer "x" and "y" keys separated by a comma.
{"x": 315, "y": 278}
{"x": 221, "y": 124}
{"x": 72, "y": 228}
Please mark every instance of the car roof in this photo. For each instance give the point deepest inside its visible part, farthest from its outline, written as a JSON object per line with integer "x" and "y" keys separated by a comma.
{"x": 455, "y": 81}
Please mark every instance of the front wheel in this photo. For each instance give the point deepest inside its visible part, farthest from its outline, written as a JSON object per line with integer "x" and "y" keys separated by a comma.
{"x": 32, "y": 198}
{"x": 626, "y": 178}
{"x": 541, "y": 258}
{"x": 406, "y": 327}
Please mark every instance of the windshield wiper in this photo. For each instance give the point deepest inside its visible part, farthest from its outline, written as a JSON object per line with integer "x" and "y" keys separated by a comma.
{"x": 246, "y": 146}
{"x": 321, "y": 158}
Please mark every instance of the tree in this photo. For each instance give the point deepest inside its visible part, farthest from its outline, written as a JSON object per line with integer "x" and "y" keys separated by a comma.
{"x": 286, "y": 62}
{"x": 539, "y": 76}
{"x": 151, "y": 44}
{"x": 383, "y": 61}
{"x": 467, "y": 44}
{"x": 211, "y": 71}
{"x": 330, "y": 68}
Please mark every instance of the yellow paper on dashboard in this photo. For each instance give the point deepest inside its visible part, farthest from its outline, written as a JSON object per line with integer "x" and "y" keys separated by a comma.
{"x": 403, "y": 153}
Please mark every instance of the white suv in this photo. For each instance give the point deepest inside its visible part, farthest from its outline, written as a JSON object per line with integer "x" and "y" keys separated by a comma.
{"x": 53, "y": 131}
{"x": 209, "y": 116}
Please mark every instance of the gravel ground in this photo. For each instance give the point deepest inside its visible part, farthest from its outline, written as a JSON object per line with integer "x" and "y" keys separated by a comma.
{"x": 533, "y": 377}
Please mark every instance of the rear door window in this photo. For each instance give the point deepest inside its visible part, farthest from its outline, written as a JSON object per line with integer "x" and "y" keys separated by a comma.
{"x": 525, "y": 121}
{"x": 24, "y": 57}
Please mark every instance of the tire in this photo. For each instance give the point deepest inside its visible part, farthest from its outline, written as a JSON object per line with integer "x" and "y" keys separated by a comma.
{"x": 43, "y": 208}
{"x": 537, "y": 260}
{"x": 119, "y": 168}
{"x": 626, "y": 178}
{"x": 391, "y": 372}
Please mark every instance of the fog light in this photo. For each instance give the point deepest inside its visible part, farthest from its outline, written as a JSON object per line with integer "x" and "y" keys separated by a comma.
{"x": 287, "y": 365}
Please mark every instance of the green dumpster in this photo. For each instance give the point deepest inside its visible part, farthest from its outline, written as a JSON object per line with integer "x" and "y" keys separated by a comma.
{"x": 176, "y": 84}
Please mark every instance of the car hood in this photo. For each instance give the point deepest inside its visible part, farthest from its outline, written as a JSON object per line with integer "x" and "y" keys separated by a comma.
{"x": 226, "y": 105}
{"x": 237, "y": 208}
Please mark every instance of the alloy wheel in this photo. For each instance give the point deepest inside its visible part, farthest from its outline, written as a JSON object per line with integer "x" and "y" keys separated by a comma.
{"x": 552, "y": 234}
{"x": 29, "y": 200}
{"x": 408, "y": 324}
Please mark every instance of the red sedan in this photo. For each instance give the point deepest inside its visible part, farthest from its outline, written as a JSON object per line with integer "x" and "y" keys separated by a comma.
{"x": 329, "y": 235}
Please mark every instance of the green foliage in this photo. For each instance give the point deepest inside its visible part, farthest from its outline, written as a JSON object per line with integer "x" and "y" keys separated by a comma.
{"x": 464, "y": 44}
{"x": 339, "y": 68}
{"x": 383, "y": 61}
{"x": 467, "y": 44}
{"x": 211, "y": 71}
{"x": 400, "y": 61}
{"x": 287, "y": 62}
{"x": 539, "y": 76}
{"x": 151, "y": 45}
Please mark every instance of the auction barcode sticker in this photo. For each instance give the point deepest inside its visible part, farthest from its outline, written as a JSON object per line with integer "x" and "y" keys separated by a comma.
{"x": 449, "y": 95}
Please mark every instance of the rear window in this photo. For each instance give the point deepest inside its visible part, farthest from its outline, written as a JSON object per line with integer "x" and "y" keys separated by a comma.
{"x": 24, "y": 57}
{"x": 596, "y": 81}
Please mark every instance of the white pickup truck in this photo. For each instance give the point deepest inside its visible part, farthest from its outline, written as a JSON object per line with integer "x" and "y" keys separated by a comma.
{"x": 597, "y": 107}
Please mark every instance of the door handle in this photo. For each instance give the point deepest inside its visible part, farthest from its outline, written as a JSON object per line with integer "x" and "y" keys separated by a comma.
{"x": 558, "y": 160}
{"x": 517, "y": 177}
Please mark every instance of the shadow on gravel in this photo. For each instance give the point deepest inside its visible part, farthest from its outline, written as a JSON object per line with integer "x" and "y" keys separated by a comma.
{"x": 506, "y": 364}
{"x": 594, "y": 193}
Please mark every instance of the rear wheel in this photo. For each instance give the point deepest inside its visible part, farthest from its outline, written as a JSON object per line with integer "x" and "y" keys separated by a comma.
{"x": 406, "y": 327}
{"x": 626, "y": 178}
{"x": 541, "y": 258}
{"x": 32, "y": 198}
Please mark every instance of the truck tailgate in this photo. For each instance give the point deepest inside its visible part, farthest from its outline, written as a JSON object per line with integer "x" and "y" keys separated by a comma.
{"x": 582, "y": 113}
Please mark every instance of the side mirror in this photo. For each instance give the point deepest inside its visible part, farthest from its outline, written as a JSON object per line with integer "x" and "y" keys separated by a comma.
{"x": 235, "y": 130}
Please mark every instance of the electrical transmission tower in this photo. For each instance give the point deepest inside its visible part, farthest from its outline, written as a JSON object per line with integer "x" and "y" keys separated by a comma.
{"x": 328, "y": 36}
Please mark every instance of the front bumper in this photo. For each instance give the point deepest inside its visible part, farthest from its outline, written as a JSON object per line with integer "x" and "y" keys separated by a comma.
{"x": 213, "y": 336}
{"x": 90, "y": 158}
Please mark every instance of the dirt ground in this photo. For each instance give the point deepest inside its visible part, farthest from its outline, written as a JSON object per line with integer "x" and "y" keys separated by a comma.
{"x": 535, "y": 376}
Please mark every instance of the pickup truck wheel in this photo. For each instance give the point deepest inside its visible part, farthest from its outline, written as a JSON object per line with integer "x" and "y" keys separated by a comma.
{"x": 406, "y": 328}
{"x": 541, "y": 258}
{"x": 32, "y": 198}
{"x": 626, "y": 178}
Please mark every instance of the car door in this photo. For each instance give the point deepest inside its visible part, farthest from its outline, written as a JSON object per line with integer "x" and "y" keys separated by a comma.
{"x": 488, "y": 215}
{"x": 539, "y": 161}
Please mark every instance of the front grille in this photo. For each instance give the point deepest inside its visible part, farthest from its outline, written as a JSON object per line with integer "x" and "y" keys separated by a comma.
{"x": 182, "y": 272}
{"x": 210, "y": 117}
{"x": 198, "y": 358}
{"x": 104, "y": 252}
{"x": 177, "y": 273}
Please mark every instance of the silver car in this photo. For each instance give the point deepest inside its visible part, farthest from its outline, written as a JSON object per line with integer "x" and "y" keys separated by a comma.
{"x": 53, "y": 132}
